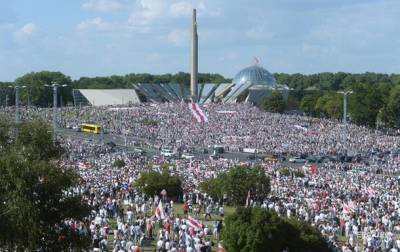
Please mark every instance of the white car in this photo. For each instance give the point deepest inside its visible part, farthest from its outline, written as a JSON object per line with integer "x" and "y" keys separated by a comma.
{"x": 187, "y": 156}
{"x": 167, "y": 153}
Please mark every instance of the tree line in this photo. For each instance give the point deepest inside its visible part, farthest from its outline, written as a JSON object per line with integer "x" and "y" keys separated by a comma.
{"x": 374, "y": 101}
{"x": 36, "y": 93}
{"x": 375, "y": 97}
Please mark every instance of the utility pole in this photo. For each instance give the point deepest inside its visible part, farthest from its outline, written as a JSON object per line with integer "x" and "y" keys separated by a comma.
{"x": 16, "y": 105}
{"x": 345, "y": 94}
{"x": 16, "y": 88}
{"x": 55, "y": 86}
{"x": 29, "y": 98}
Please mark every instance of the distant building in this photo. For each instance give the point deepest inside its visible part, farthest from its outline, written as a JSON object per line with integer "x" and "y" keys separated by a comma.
{"x": 103, "y": 97}
{"x": 252, "y": 84}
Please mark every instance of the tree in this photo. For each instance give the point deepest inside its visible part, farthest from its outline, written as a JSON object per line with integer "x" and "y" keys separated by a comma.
{"x": 214, "y": 187}
{"x": 119, "y": 163}
{"x": 391, "y": 111}
{"x": 308, "y": 103}
{"x": 257, "y": 230}
{"x": 153, "y": 182}
{"x": 32, "y": 191}
{"x": 274, "y": 103}
{"x": 237, "y": 182}
{"x": 334, "y": 106}
{"x": 365, "y": 104}
{"x": 38, "y": 93}
{"x": 330, "y": 105}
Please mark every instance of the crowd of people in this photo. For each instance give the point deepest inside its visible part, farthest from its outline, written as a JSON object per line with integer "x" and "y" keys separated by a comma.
{"x": 235, "y": 126}
{"x": 354, "y": 204}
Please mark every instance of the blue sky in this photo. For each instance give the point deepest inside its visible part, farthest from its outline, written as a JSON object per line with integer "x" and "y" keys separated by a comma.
{"x": 105, "y": 37}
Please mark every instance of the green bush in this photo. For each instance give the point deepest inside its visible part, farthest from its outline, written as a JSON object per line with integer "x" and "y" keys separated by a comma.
{"x": 284, "y": 172}
{"x": 119, "y": 163}
{"x": 149, "y": 122}
{"x": 236, "y": 184}
{"x": 259, "y": 230}
{"x": 299, "y": 174}
{"x": 152, "y": 183}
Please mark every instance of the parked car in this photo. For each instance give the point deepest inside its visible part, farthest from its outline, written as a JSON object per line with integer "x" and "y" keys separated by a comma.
{"x": 139, "y": 151}
{"x": 297, "y": 160}
{"x": 187, "y": 156}
{"x": 215, "y": 156}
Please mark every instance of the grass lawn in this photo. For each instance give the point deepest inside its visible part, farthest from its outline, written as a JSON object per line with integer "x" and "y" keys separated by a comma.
{"x": 178, "y": 212}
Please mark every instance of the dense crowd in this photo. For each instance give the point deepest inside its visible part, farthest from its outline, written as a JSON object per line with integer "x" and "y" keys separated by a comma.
{"x": 235, "y": 126}
{"x": 354, "y": 204}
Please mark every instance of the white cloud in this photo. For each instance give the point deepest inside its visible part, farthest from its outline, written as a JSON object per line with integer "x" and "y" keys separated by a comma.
{"x": 350, "y": 32}
{"x": 184, "y": 8}
{"x": 26, "y": 31}
{"x": 104, "y": 5}
{"x": 181, "y": 8}
{"x": 96, "y": 23}
{"x": 178, "y": 37}
{"x": 146, "y": 11}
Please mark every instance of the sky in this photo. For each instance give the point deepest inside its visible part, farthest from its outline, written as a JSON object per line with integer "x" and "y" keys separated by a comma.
{"x": 106, "y": 37}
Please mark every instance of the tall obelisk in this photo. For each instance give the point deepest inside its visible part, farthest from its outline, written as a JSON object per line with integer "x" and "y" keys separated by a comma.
{"x": 193, "y": 77}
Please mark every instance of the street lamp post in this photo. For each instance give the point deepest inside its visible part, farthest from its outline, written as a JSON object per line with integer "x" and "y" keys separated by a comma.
{"x": 345, "y": 94}
{"x": 55, "y": 86}
{"x": 29, "y": 98}
{"x": 16, "y": 88}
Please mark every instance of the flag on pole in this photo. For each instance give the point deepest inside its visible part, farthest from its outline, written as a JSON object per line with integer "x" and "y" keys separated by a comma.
{"x": 194, "y": 223}
{"x": 248, "y": 199}
{"x": 198, "y": 112}
{"x": 256, "y": 60}
{"x": 160, "y": 211}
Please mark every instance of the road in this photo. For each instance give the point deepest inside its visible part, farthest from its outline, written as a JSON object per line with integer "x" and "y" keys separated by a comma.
{"x": 119, "y": 140}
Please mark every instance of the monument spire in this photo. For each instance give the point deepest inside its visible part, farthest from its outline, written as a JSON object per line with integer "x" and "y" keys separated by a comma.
{"x": 193, "y": 77}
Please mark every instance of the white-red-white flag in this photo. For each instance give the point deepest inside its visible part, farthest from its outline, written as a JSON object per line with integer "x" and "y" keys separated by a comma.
{"x": 194, "y": 223}
{"x": 83, "y": 165}
{"x": 160, "y": 211}
{"x": 198, "y": 112}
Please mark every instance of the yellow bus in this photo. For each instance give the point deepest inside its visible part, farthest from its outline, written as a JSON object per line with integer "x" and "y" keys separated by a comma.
{"x": 90, "y": 128}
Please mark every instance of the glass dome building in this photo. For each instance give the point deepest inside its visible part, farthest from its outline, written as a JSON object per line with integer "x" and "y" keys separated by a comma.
{"x": 253, "y": 76}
